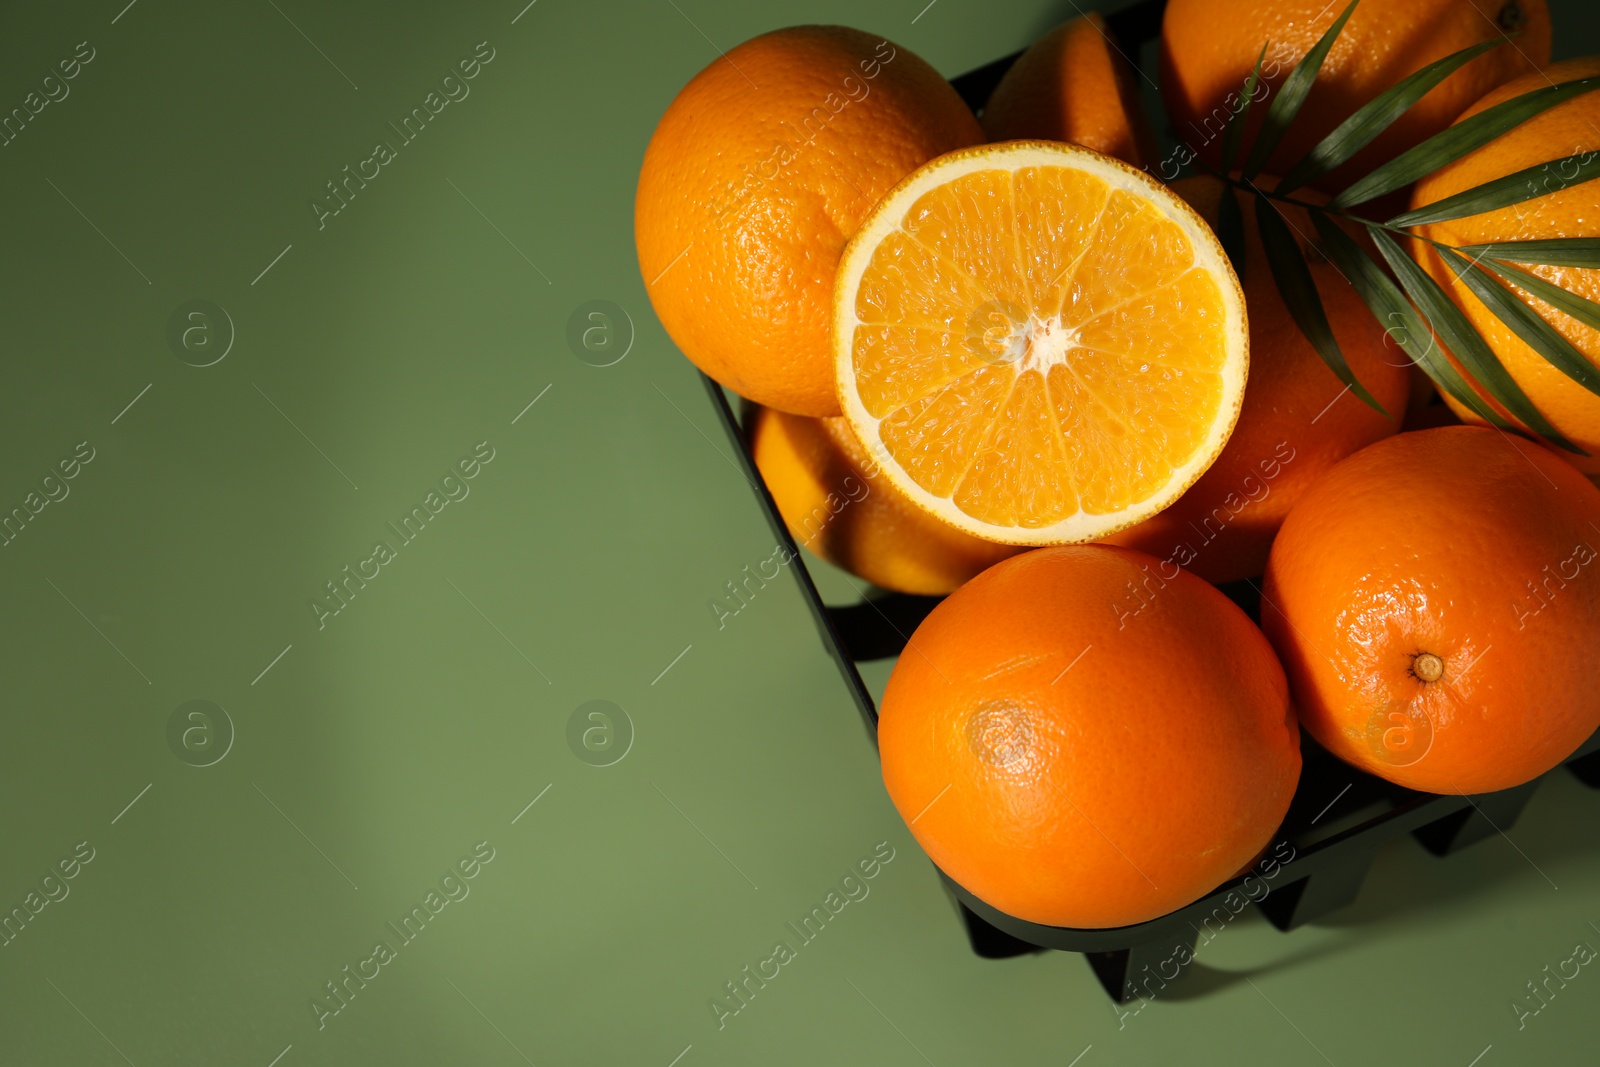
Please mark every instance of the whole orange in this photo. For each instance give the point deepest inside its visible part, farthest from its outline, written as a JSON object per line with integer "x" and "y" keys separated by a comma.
{"x": 1081, "y": 737}
{"x": 1566, "y": 129}
{"x": 1298, "y": 419}
{"x": 759, "y": 172}
{"x": 1208, "y": 48}
{"x": 1073, "y": 84}
{"x": 1436, "y": 604}
{"x": 830, "y": 496}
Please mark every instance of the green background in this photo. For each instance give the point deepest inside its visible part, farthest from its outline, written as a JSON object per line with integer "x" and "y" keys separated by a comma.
{"x": 377, "y": 750}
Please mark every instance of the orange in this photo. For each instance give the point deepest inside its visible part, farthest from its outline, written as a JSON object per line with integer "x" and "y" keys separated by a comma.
{"x": 1566, "y": 129}
{"x": 1082, "y": 737}
{"x": 1075, "y": 85}
{"x": 757, "y": 175}
{"x": 1436, "y": 602}
{"x": 830, "y": 496}
{"x": 1037, "y": 343}
{"x": 1208, "y": 48}
{"x": 1298, "y": 419}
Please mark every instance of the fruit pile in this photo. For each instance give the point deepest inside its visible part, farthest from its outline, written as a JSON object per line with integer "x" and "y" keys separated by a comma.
{"x": 1022, "y": 362}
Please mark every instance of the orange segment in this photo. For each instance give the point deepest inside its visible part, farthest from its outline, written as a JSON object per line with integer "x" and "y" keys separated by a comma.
{"x": 989, "y": 256}
{"x": 1134, "y": 250}
{"x": 906, "y": 363}
{"x": 1152, "y": 342}
{"x": 937, "y": 439}
{"x": 1041, "y": 344}
{"x": 1061, "y": 211}
{"x": 1019, "y": 477}
{"x": 911, "y": 287}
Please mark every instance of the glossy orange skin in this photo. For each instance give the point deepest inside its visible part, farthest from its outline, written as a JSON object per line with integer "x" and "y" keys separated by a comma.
{"x": 1083, "y": 739}
{"x": 1460, "y": 542}
{"x": 1574, "y": 211}
{"x": 1297, "y": 421}
{"x": 1073, "y": 85}
{"x": 759, "y": 172}
{"x": 830, "y": 496}
{"x": 1208, "y": 48}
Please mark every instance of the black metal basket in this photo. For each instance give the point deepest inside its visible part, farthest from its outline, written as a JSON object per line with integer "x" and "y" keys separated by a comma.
{"x": 1337, "y": 821}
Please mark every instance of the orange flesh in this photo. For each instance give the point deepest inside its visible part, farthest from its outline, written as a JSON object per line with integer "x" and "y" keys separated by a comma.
{"x": 1037, "y": 344}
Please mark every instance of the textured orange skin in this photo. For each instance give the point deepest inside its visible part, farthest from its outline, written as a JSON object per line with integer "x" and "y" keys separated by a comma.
{"x": 759, "y": 204}
{"x": 1427, "y": 543}
{"x": 1167, "y": 748}
{"x": 1208, "y": 48}
{"x": 1294, "y": 425}
{"x": 1072, "y": 86}
{"x": 818, "y": 475}
{"x": 1564, "y": 130}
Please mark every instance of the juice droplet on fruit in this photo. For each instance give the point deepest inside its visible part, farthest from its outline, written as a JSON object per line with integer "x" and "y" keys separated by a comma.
{"x": 1428, "y": 667}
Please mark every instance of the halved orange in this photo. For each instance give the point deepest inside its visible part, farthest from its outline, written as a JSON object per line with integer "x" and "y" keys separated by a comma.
{"x": 1039, "y": 343}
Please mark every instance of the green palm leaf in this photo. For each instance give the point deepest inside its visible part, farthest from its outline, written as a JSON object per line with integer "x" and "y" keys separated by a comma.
{"x": 1419, "y": 312}
{"x": 1526, "y": 184}
{"x": 1357, "y": 131}
{"x": 1451, "y": 144}
{"x": 1584, "y": 310}
{"x": 1290, "y": 98}
{"x": 1556, "y": 252}
{"x": 1525, "y": 322}
{"x": 1389, "y": 306}
{"x": 1464, "y": 341}
{"x": 1300, "y": 296}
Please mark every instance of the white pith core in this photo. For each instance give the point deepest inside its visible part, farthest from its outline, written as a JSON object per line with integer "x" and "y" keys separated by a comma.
{"x": 1038, "y": 344}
